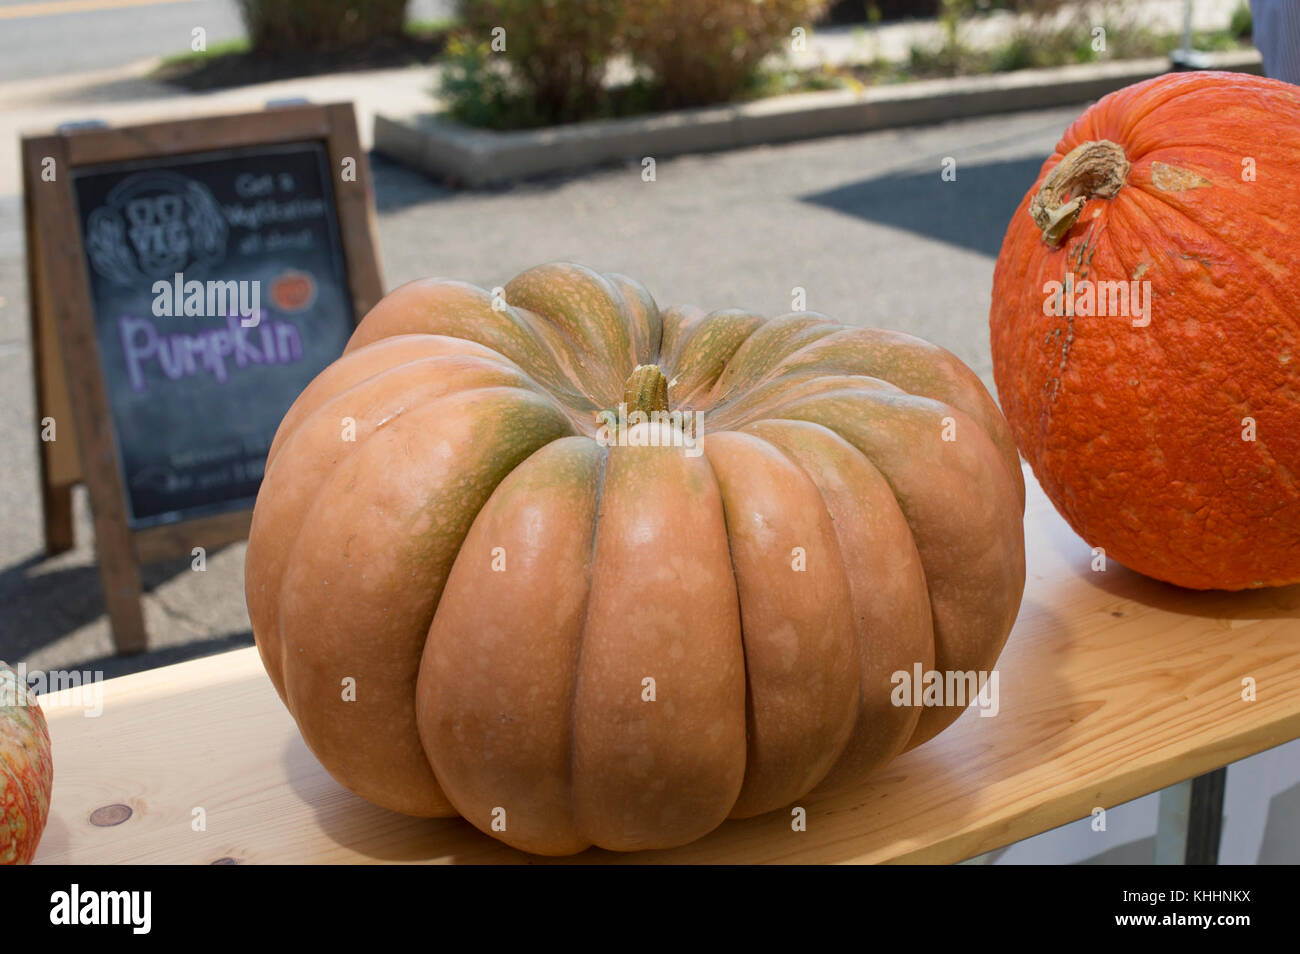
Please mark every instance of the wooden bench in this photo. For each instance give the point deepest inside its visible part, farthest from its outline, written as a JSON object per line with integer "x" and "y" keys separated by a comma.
{"x": 1111, "y": 686}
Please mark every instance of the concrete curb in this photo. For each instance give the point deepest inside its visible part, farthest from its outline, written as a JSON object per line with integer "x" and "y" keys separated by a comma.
{"x": 445, "y": 149}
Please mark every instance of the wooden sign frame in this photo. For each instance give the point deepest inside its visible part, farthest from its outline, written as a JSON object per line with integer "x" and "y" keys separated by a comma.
{"x": 69, "y": 380}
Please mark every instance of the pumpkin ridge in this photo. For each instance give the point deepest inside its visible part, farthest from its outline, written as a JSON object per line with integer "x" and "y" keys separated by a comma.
{"x": 766, "y": 322}
{"x": 545, "y": 484}
{"x": 766, "y": 401}
{"x": 951, "y": 382}
{"x": 780, "y": 365}
{"x": 739, "y": 394}
{"x": 691, "y": 646}
{"x": 848, "y": 589}
{"x": 740, "y": 629}
{"x": 294, "y": 415}
{"x": 781, "y": 412}
{"x": 573, "y": 360}
{"x": 445, "y": 307}
{"x": 831, "y": 395}
{"x": 526, "y": 382}
{"x": 544, "y": 400}
{"x": 758, "y": 326}
{"x": 654, "y": 330}
{"x": 417, "y": 556}
{"x": 576, "y": 301}
{"x": 677, "y": 321}
{"x": 949, "y": 641}
{"x": 1119, "y": 210}
{"x": 577, "y": 650}
{"x": 1139, "y": 102}
{"x": 1193, "y": 82}
{"x": 1151, "y": 101}
{"x": 711, "y": 339}
{"x": 787, "y": 329}
{"x": 294, "y": 437}
{"x": 856, "y": 452}
{"x": 1168, "y": 202}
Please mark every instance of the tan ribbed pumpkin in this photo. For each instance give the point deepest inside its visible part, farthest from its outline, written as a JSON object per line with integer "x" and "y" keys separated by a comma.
{"x": 597, "y": 635}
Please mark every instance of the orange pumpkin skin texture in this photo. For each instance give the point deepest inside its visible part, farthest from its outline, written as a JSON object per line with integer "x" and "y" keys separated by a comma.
{"x": 499, "y": 580}
{"x": 1136, "y": 433}
{"x": 26, "y": 770}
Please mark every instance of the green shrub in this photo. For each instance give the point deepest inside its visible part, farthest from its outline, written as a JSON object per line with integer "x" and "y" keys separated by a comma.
{"x": 557, "y": 50}
{"x": 279, "y": 27}
{"x": 479, "y": 94}
{"x": 709, "y": 51}
{"x": 1242, "y": 24}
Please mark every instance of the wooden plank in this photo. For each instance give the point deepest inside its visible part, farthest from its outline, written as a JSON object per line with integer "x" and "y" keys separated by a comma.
{"x": 58, "y": 461}
{"x": 71, "y": 312}
{"x": 177, "y": 136}
{"x": 355, "y": 201}
{"x": 1111, "y": 686}
{"x": 180, "y": 539}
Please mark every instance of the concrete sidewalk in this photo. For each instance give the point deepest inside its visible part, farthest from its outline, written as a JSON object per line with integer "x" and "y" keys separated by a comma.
{"x": 129, "y": 95}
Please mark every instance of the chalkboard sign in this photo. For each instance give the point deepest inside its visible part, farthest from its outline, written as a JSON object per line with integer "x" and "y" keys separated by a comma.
{"x": 219, "y": 292}
{"x": 188, "y": 279}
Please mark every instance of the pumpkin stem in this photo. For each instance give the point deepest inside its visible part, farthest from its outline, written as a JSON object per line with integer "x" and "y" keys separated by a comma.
{"x": 1091, "y": 170}
{"x": 646, "y": 389}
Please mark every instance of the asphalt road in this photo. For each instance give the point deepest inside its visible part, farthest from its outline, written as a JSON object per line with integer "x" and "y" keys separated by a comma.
{"x": 53, "y": 37}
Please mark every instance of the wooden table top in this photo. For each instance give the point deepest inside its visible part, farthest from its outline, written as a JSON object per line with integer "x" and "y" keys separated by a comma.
{"x": 1111, "y": 686}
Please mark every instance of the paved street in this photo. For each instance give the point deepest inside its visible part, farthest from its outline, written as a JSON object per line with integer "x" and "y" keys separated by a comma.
{"x": 56, "y": 37}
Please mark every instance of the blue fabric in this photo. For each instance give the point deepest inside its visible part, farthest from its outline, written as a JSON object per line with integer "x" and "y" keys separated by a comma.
{"x": 1277, "y": 37}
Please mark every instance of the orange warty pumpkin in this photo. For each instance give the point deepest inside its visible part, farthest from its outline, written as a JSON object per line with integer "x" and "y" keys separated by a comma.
{"x": 477, "y": 597}
{"x": 26, "y": 770}
{"x": 1146, "y": 329}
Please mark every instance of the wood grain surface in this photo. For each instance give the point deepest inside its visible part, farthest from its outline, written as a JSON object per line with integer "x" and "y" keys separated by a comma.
{"x": 1111, "y": 686}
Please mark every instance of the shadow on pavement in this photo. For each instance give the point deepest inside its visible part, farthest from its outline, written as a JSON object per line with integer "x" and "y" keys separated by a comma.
{"x": 398, "y": 187}
{"x": 45, "y": 601}
{"x": 971, "y": 212}
{"x": 110, "y": 91}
